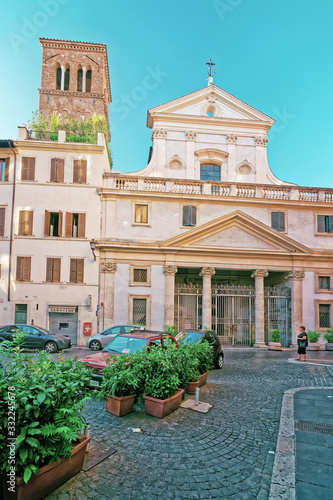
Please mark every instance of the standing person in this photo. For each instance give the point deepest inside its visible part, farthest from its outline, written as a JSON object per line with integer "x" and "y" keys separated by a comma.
{"x": 302, "y": 342}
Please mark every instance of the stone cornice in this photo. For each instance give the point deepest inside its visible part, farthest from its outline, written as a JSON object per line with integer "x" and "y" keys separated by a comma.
{"x": 67, "y": 93}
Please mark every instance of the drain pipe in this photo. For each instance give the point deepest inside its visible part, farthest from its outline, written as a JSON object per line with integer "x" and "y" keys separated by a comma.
{"x": 11, "y": 225}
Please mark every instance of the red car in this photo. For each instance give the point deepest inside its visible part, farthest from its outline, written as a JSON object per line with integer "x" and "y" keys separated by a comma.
{"x": 125, "y": 343}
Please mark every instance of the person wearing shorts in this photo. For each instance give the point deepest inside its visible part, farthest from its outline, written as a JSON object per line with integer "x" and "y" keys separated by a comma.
{"x": 302, "y": 342}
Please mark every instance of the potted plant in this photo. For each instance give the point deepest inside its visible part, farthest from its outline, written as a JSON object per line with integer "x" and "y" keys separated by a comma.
{"x": 313, "y": 338}
{"x": 121, "y": 381}
{"x": 47, "y": 397}
{"x": 274, "y": 343}
{"x": 203, "y": 353}
{"x": 329, "y": 337}
{"x": 161, "y": 381}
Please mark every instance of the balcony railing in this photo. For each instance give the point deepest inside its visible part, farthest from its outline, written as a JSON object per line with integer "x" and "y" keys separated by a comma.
{"x": 218, "y": 189}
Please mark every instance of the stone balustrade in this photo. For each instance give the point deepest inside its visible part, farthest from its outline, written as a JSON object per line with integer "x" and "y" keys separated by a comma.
{"x": 217, "y": 189}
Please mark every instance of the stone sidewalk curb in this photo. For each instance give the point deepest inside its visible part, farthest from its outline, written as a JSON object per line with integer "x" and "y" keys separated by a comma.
{"x": 320, "y": 362}
{"x": 283, "y": 484}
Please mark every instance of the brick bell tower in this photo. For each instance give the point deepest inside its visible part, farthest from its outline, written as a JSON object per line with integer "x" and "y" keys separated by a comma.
{"x": 75, "y": 79}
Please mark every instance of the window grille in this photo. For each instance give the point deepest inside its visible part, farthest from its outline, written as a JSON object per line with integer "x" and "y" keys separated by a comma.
{"x": 324, "y": 315}
{"x": 140, "y": 275}
{"x": 324, "y": 282}
{"x": 139, "y": 311}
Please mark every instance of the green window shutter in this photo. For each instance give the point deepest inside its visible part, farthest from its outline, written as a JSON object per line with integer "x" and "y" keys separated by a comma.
{"x": 330, "y": 223}
{"x": 282, "y": 226}
{"x": 321, "y": 223}
{"x": 193, "y": 216}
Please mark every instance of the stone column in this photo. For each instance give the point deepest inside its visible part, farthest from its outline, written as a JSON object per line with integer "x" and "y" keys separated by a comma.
{"x": 296, "y": 277}
{"x": 84, "y": 74}
{"x": 169, "y": 305}
{"x": 108, "y": 268}
{"x": 259, "y": 276}
{"x": 207, "y": 273}
{"x": 62, "y": 84}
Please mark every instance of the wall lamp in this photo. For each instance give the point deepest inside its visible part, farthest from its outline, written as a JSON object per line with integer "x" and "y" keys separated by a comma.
{"x": 93, "y": 247}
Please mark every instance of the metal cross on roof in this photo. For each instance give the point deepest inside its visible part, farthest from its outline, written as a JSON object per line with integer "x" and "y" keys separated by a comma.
{"x": 209, "y": 70}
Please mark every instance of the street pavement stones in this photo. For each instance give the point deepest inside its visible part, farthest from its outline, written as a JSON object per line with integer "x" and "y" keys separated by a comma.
{"x": 228, "y": 452}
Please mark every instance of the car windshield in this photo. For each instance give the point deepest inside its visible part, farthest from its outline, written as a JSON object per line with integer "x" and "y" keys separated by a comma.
{"x": 44, "y": 331}
{"x": 125, "y": 345}
{"x": 189, "y": 336}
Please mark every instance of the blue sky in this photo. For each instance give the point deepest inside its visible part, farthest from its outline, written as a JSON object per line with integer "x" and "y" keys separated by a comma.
{"x": 275, "y": 55}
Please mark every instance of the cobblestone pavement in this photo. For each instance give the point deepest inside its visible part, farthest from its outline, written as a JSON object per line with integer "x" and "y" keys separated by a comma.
{"x": 226, "y": 453}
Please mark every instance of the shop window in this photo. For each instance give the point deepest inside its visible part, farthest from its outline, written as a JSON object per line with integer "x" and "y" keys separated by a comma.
{"x": 28, "y": 169}
{"x": 53, "y": 270}
{"x": 23, "y": 268}
{"x": 210, "y": 172}
{"x": 325, "y": 223}
{"x": 141, "y": 214}
{"x": 2, "y": 221}
{"x": 4, "y": 169}
{"x": 25, "y": 222}
{"x": 75, "y": 225}
{"x": 53, "y": 223}
{"x": 80, "y": 172}
{"x": 57, "y": 170}
{"x": 76, "y": 270}
{"x": 278, "y": 221}
{"x": 189, "y": 216}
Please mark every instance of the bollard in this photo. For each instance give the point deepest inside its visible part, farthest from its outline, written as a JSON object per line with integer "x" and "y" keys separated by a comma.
{"x": 87, "y": 434}
{"x": 197, "y": 390}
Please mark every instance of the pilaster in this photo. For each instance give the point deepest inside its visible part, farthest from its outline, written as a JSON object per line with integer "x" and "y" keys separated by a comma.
{"x": 259, "y": 275}
{"x": 169, "y": 272}
{"x": 207, "y": 273}
{"x": 108, "y": 270}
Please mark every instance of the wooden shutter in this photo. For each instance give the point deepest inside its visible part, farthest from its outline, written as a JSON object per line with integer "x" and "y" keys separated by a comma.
{"x": 282, "y": 225}
{"x": 60, "y": 170}
{"x": 81, "y": 230}
{"x": 79, "y": 270}
{"x": 193, "y": 219}
{"x": 76, "y": 171}
{"x": 83, "y": 171}
{"x": 2, "y": 221}
{"x": 72, "y": 277}
{"x": 321, "y": 223}
{"x": 7, "y": 162}
{"x": 24, "y": 173}
{"x": 47, "y": 223}
{"x": 19, "y": 264}
{"x": 60, "y": 224}
{"x": 26, "y": 268}
{"x": 69, "y": 225}
{"x": 56, "y": 269}
{"x": 49, "y": 267}
{"x": 21, "y": 222}
{"x": 53, "y": 175}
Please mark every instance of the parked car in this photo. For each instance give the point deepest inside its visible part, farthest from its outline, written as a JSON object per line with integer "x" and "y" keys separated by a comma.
{"x": 36, "y": 338}
{"x": 102, "y": 339}
{"x": 210, "y": 336}
{"x": 125, "y": 343}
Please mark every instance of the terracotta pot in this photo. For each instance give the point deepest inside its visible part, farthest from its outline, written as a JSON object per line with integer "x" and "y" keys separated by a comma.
{"x": 313, "y": 346}
{"x": 329, "y": 346}
{"x": 161, "y": 407}
{"x": 191, "y": 386}
{"x": 120, "y": 406}
{"x": 274, "y": 346}
{"x": 49, "y": 477}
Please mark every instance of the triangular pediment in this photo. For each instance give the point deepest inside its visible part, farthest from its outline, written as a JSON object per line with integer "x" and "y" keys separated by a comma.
{"x": 236, "y": 231}
{"x": 227, "y": 106}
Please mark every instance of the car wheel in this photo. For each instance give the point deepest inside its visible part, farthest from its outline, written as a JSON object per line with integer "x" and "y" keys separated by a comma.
{"x": 50, "y": 347}
{"x": 95, "y": 345}
{"x": 219, "y": 361}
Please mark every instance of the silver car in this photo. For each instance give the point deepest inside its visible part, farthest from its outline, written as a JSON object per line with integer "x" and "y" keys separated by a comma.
{"x": 102, "y": 339}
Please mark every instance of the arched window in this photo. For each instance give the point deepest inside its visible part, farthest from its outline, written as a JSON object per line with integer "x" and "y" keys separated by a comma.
{"x": 79, "y": 78}
{"x": 58, "y": 76}
{"x": 66, "y": 86}
{"x": 88, "y": 79}
{"x": 210, "y": 172}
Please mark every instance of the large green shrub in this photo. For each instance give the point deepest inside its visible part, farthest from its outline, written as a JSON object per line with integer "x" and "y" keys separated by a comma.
{"x": 275, "y": 335}
{"x": 160, "y": 379}
{"x": 121, "y": 377}
{"x": 48, "y": 396}
{"x": 313, "y": 337}
{"x": 329, "y": 336}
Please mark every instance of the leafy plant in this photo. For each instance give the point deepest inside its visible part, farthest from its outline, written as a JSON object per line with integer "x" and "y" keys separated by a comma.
{"x": 159, "y": 375}
{"x": 329, "y": 336}
{"x": 313, "y": 337}
{"x": 49, "y": 397}
{"x": 204, "y": 353}
{"x": 275, "y": 337}
{"x": 121, "y": 377}
{"x": 170, "y": 329}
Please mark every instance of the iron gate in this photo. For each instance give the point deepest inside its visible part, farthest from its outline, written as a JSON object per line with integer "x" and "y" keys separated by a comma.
{"x": 233, "y": 311}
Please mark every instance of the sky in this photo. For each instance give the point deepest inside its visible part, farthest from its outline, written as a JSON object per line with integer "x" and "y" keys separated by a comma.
{"x": 275, "y": 55}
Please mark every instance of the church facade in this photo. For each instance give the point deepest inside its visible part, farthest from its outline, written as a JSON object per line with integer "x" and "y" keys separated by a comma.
{"x": 203, "y": 236}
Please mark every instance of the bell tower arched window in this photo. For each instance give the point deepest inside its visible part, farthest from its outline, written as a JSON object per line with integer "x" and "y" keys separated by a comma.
{"x": 88, "y": 79}
{"x": 79, "y": 78}
{"x": 67, "y": 75}
{"x": 58, "y": 76}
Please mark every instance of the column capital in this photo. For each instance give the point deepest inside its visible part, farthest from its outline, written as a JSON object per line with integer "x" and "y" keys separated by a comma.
{"x": 170, "y": 270}
{"x": 259, "y": 273}
{"x": 295, "y": 275}
{"x": 108, "y": 267}
{"x": 207, "y": 271}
